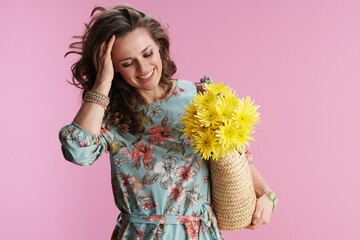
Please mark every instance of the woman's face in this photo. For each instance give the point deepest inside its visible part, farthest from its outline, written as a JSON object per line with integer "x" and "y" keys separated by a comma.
{"x": 137, "y": 58}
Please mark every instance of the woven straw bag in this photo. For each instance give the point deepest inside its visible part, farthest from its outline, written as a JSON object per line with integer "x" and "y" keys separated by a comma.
{"x": 232, "y": 191}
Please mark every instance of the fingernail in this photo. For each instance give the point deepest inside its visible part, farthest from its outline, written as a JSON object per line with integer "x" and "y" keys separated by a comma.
{"x": 254, "y": 222}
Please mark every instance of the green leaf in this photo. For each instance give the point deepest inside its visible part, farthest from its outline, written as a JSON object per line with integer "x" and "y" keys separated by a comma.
{"x": 176, "y": 148}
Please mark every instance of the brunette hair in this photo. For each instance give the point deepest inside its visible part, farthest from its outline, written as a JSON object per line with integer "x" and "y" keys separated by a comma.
{"x": 124, "y": 100}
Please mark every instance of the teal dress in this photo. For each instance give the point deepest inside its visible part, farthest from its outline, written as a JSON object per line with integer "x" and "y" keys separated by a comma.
{"x": 160, "y": 185}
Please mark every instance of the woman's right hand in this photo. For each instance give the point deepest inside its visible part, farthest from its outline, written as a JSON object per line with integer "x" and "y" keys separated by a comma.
{"x": 104, "y": 67}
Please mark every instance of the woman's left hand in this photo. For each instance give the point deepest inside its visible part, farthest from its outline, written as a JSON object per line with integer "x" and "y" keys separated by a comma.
{"x": 263, "y": 211}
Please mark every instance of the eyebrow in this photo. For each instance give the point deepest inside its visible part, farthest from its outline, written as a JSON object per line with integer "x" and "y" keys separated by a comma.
{"x": 141, "y": 52}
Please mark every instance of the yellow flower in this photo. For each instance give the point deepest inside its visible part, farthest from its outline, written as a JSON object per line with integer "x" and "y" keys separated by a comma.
{"x": 191, "y": 110}
{"x": 218, "y": 150}
{"x": 204, "y": 143}
{"x": 218, "y": 122}
{"x": 225, "y": 112}
{"x": 241, "y": 137}
{"x": 192, "y": 127}
{"x": 227, "y": 134}
{"x": 218, "y": 89}
{"x": 203, "y": 100}
{"x": 247, "y": 115}
{"x": 231, "y": 101}
{"x": 208, "y": 116}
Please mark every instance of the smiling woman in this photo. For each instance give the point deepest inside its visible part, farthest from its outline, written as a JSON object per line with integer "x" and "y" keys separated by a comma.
{"x": 137, "y": 59}
{"x": 132, "y": 109}
{"x": 129, "y": 42}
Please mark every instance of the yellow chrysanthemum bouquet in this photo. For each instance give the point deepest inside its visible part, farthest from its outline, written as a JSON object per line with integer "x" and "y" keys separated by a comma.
{"x": 219, "y": 124}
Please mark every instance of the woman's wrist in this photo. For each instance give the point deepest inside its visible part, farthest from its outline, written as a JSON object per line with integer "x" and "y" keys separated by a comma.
{"x": 98, "y": 98}
{"x": 101, "y": 88}
{"x": 261, "y": 191}
{"x": 272, "y": 197}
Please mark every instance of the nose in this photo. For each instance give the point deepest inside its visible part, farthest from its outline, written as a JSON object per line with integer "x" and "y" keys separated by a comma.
{"x": 143, "y": 67}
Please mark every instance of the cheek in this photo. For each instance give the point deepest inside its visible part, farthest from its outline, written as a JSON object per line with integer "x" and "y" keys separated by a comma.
{"x": 126, "y": 72}
{"x": 157, "y": 58}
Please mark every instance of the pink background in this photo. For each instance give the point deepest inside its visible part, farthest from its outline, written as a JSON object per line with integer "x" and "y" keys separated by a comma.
{"x": 299, "y": 60}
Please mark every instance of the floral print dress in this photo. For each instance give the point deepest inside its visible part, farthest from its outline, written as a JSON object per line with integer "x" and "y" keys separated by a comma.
{"x": 160, "y": 185}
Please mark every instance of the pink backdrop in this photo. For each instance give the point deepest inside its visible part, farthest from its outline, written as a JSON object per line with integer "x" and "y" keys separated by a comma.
{"x": 299, "y": 60}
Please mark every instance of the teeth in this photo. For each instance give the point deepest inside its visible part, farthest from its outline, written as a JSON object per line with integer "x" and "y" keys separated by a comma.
{"x": 147, "y": 75}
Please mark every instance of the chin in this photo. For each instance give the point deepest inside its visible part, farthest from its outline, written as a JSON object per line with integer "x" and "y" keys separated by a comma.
{"x": 151, "y": 83}
{"x": 151, "y": 86}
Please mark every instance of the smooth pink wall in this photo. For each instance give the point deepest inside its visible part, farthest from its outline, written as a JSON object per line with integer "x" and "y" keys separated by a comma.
{"x": 299, "y": 60}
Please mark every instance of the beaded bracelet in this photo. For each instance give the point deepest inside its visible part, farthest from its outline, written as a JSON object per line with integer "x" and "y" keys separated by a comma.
{"x": 94, "y": 97}
{"x": 97, "y": 99}
{"x": 98, "y": 96}
{"x": 97, "y": 102}
{"x": 272, "y": 197}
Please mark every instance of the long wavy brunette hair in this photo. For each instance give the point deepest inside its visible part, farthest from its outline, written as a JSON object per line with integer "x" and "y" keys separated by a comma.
{"x": 124, "y": 100}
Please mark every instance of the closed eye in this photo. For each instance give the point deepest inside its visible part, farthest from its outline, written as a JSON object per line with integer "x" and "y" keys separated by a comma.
{"x": 148, "y": 55}
{"x": 128, "y": 64}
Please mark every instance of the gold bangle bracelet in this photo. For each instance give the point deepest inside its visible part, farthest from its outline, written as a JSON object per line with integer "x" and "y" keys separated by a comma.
{"x": 96, "y": 99}
{"x": 100, "y": 95}
{"x": 97, "y": 102}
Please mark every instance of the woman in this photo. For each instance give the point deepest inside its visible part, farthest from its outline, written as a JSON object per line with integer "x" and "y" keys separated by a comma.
{"x": 132, "y": 109}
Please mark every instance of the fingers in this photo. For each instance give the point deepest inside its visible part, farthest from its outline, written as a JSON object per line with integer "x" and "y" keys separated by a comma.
{"x": 267, "y": 205}
{"x": 257, "y": 220}
{"x": 262, "y": 214}
{"x": 105, "y": 68}
{"x": 266, "y": 215}
{"x": 105, "y": 48}
{"x": 98, "y": 56}
{"x": 254, "y": 226}
{"x": 104, "y": 53}
{"x": 110, "y": 44}
{"x": 257, "y": 213}
{"x": 102, "y": 50}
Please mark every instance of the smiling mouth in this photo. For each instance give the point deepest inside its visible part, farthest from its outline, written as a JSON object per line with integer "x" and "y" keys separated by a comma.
{"x": 147, "y": 76}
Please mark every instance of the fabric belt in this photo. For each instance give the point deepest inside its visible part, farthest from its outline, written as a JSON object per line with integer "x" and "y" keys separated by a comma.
{"x": 191, "y": 222}
{"x": 159, "y": 219}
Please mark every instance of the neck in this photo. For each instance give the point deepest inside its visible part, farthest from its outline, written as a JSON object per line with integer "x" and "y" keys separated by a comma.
{"x": 156, "y": 94}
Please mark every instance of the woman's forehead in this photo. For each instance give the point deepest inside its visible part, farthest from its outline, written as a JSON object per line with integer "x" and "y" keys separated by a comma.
{"x": 133, "y": 43}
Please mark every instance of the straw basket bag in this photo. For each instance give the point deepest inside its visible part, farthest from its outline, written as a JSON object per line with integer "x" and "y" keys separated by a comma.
{"x": 233, "y": 194}
{"x": 232, "y": 189}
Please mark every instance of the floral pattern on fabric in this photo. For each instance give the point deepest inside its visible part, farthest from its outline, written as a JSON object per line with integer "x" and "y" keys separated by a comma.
{"x": 160, "y": 185}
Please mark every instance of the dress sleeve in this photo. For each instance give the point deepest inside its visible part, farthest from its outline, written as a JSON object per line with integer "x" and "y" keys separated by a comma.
{"x": 248, "y": 155}
{"x": 82, "y": 147}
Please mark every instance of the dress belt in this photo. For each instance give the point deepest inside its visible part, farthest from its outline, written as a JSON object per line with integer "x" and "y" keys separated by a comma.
{"x": 159, "y": 219}
{"x": 190, "y": 222}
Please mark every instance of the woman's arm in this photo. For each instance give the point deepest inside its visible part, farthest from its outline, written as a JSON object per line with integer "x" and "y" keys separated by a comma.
{"x": 264, "y": 205}
{"x": 90, "y": 115}
{"x": 83, "y": 141}
{"x": 260, "y": 184}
